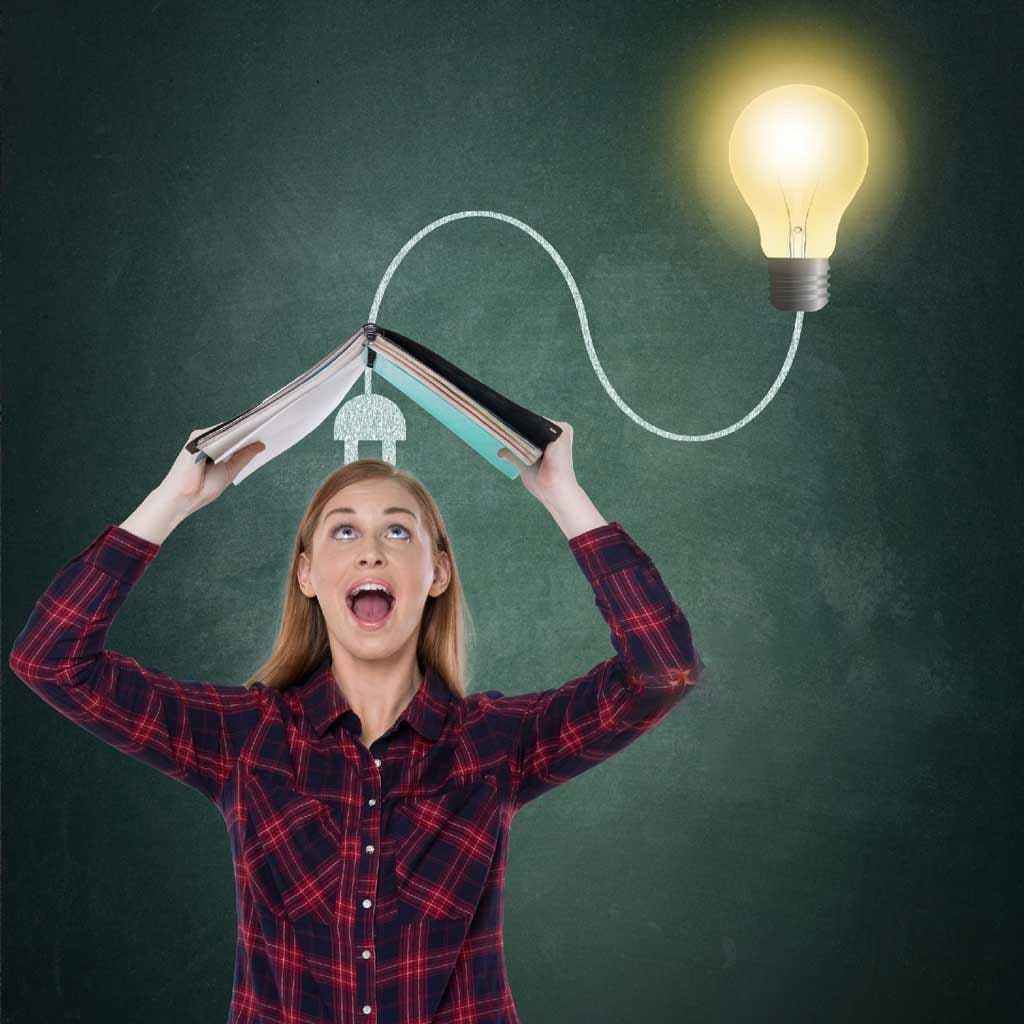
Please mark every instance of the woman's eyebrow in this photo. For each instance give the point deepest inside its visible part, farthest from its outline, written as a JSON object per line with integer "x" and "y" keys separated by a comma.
{"x": 387, "y": 511}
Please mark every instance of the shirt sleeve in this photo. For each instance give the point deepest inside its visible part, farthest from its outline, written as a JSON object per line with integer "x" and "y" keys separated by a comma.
{"x": 566, "y": 730}
{"x": 190, "y": 731}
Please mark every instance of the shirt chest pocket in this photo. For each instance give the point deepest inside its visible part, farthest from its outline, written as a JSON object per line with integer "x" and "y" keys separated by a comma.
{"x": 444, "y": 848}
{"x": 293, "y": 850}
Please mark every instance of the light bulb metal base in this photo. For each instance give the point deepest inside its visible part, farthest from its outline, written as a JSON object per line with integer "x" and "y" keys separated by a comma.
{"x": 798, "y": 283}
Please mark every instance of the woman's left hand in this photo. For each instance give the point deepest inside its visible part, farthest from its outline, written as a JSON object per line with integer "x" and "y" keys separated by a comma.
{"x": 552, "y": 475}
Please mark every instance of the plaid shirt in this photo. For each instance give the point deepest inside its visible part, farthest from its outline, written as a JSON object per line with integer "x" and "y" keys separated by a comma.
{"x": 369, "y": 882}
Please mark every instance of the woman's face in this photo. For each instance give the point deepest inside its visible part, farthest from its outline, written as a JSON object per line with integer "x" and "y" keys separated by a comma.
{"x": 373, "y": 528}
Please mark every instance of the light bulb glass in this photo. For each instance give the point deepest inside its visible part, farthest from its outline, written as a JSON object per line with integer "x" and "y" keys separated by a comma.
{"x": 798, "y": 154}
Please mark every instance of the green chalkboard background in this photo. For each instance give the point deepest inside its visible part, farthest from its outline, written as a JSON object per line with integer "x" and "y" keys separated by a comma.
{"x": 200, "y": 199}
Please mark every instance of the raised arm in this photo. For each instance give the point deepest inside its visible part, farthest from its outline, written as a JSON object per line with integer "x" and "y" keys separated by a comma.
{"x": 190, "y": 731}
{"x": 561, "y": 732}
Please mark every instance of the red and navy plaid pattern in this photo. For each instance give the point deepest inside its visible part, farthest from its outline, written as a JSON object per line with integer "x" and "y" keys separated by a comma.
{"x": 369, "y": 882}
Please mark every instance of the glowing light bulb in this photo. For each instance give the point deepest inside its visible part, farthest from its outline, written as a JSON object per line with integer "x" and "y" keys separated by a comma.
{"x": 798, "y": 154}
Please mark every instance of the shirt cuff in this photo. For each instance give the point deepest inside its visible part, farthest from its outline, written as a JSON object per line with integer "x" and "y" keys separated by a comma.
{"x": 120, "y": 553}
{"x": 606, "y": 548}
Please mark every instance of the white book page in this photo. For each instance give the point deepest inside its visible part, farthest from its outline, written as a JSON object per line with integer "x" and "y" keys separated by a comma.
{"x": 313, "y": 403}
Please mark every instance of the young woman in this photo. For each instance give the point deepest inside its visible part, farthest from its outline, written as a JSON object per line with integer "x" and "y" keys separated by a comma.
{"x": 367, "y": 796}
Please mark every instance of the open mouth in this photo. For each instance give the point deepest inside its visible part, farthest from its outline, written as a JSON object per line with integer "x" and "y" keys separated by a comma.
{"x": 371, "y": 610}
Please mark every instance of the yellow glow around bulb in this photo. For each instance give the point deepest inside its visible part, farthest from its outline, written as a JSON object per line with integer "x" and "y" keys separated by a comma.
{"x": 798, "y": 154}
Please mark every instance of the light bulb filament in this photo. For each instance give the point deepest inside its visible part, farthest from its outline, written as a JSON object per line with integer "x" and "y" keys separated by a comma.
{"x": 797, "y": 232}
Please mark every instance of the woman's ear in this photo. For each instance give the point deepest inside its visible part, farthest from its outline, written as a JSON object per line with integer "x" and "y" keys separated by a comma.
{"x": 302, "y": 575}
{"x": 442, "y": 573}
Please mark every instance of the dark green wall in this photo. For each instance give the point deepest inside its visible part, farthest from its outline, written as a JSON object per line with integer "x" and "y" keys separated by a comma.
{"x": 201, "y": 198}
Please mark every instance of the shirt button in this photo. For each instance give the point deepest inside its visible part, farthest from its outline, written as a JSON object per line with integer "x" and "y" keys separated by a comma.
{"x": 367, "y": 903}
{"x": 371, "y": 801}
{"x": 370, "y": 848}
{"x": 366, "y": 954}
{"x": 366, "y": 1009}
{"x": 376, "y": 761}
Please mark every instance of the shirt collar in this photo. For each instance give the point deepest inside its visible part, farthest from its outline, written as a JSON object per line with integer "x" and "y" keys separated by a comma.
{"x": 323, "y": 701}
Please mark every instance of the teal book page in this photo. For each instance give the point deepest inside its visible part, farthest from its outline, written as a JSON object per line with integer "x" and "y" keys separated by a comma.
{"x": 459, "y": 424}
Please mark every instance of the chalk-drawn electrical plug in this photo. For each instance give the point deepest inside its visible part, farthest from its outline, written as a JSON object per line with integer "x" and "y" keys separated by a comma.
{"x": 370, "y": 417}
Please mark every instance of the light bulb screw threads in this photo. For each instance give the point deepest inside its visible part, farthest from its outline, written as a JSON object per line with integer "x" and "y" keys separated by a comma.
{"x": 798, "y": 283}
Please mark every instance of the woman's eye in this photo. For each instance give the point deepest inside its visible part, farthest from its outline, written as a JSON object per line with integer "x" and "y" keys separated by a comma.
{"x": 393, "y": 526}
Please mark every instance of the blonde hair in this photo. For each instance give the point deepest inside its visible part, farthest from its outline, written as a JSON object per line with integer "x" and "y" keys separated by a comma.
{"x": 302, "y": 640}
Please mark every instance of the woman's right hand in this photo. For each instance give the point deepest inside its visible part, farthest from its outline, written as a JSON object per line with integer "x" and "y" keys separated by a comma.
{"x": 189, "y": 485}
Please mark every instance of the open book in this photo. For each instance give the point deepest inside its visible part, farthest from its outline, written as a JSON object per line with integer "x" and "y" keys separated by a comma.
{"x": 484, "y": 419}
